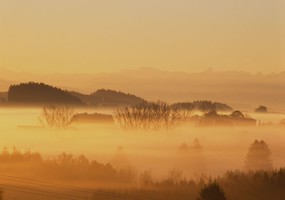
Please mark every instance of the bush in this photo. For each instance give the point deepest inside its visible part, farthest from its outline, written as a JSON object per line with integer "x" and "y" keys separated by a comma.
{"x": 212, "y": 191}
{"x": 148, "y": 116}
{"x": 56, "y": 117}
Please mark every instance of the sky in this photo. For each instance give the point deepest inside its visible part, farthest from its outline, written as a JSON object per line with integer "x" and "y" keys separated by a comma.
{"x": 91, "y": 36}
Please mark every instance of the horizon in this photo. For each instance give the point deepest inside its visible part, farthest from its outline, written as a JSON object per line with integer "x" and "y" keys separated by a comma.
{"x": 12, "y": 71}
{"x": 171, "y": 86}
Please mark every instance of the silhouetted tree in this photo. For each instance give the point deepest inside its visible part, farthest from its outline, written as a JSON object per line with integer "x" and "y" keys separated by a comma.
{"x": 56, "y": 117}
{"x": 258, "y": 156}
{"x": 261, "y": 109}
{"x": 154, "y": 115}
{"x": 104, "y": 97}
{"x": 212, "y": 114}
{"x": 212, "y": 191}
{"x": 235, "y": 118}
{"x": 237, "y": 114}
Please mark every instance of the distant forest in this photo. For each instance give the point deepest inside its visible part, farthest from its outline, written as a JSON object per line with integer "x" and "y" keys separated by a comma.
{"x": 39, "y": 93}
{"x": 109, "y": 98}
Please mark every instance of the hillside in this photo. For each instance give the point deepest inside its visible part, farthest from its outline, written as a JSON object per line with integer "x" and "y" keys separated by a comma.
{"x": 108, "y": 98}
{"x": 39, "y": 93}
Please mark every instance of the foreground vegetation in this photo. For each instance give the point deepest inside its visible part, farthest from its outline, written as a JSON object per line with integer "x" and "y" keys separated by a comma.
{"x": 68, "y": 169}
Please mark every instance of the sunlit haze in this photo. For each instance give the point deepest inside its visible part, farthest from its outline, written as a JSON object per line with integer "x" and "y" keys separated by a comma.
{"x": 142, "y": 99}
{"x": 108, "y": 35}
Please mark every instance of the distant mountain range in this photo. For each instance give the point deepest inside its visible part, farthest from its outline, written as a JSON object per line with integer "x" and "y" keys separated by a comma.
{"x": 244, "y": 91}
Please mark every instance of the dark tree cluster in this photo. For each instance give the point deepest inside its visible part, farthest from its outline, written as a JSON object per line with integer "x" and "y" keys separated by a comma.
{"x": 92, "y": 118}
{"x": 39, "y": 94}
{"x": 63, "y": 167}
{"x": 252, "y": 185}
{"x": 114, "y": 98}
{"x": 203, "y": 106}
{"x": 261, "y": 109}
{"x": 235, "y": 118}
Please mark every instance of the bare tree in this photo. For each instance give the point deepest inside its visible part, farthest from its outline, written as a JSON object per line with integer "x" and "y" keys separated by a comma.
{"x": 148, "y": 116}
{"x": 56, "y": 117}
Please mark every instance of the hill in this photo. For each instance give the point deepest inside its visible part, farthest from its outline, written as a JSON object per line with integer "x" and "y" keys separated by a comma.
{"x": 109, "y": 98}
{"x": 32, "y": 93}
{"x": 39, "y": 93}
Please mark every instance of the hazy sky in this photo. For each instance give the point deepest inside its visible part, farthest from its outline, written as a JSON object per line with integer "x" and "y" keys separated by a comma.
{"x": 47, "y": 36}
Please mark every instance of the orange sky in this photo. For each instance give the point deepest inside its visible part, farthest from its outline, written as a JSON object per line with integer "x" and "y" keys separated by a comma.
{"x": 47, "y": 36}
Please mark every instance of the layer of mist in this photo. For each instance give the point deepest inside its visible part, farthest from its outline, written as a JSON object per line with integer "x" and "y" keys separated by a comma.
{"x": 134, "y": 158}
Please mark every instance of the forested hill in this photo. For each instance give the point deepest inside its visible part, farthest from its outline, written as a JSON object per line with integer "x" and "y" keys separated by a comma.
{"x": 39, "y": 93}
{"x": 32, "y": 93}
{"x": 109, "y": 98}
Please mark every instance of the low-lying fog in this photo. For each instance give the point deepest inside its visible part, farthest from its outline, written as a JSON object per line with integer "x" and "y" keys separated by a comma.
{"x": 223, "y": 148}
